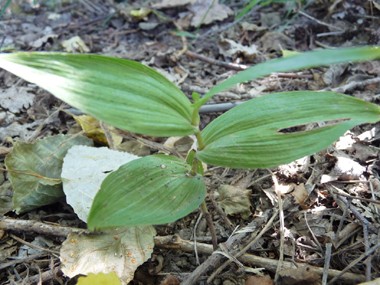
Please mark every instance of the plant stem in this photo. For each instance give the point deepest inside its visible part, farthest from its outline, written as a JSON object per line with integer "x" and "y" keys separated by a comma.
{"x": 194, "y": 166}
{"x": 210, "y": 225}
{"x": 201, "y": 144}
{"x": 195, "y": 116}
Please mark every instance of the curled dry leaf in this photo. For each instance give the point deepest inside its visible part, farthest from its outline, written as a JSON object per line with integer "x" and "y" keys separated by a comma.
{"x": 235, "y": 200}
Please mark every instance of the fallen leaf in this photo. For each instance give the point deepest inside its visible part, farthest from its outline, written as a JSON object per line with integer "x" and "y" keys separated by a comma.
{"x": 84, "y": 169}
{"x": 92, "y": 128}
{"x": 299, "y": 276}
{"x": 172, "y": 3}
{"x": 205, "y": 14}
{"x": 229, "y": 48}
{"x": 119, "y": 250}
{"x": 15, "y": 98}
{"x": 235, "y": 200}
{"x": 259, "y": 280}
{"x": 75, "y": 44}
{"x": 134, "y": 147}
{"x": 41, "y": 162}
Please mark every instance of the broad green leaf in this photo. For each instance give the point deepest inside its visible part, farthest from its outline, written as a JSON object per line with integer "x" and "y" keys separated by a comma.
{"x": 37, "y": 178}
{"x": 123, "y": 93}
{"x": 152, "y": 190}
{"x": 248, "y": 136}
{"x": 291, "y": 63}
{"x": 119, "y": 250}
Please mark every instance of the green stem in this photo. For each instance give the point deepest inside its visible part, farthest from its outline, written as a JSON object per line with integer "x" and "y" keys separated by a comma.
{"x": 201, "y": 144}
{"x": 194, "y": 119}
{"x": 193, "y": 171}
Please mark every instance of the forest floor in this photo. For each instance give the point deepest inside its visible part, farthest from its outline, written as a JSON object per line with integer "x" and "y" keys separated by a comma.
{"x": 328, "y": 201}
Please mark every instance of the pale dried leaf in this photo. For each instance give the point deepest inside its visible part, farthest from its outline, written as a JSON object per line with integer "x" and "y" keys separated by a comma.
{"x": 15, "y": 98}
{"x": 119, "y": 250}
{"x": 217, "y": 12}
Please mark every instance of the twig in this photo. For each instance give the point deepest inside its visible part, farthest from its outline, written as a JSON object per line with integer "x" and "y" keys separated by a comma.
{"x": 32, "y": 245}
{"x": 44, "y": 277}
{"x": 195, "y": 238}
{"x": 314, "y": 237}
{"x": 354, "y": 262}
{"x": 209, "y": 224}
{"x": 342, "y": 220}
{"x": 214, "y": 260}
{"x": 241, "y": 67}
{"x": 341, "y": 193}
{"x": 22, "y": 260}
{"x": 318, "y": 21}
{"x": 269, "y": 264}
{"x": 220, "y": 211}
{"x": 255, "y": 239}
{"x": 282, "y": 227}
{"x": 369, "y": 258}
{"x": 107, "y": 133}
{"x": 359, "y": 216}
{"x": 327, "y": 263}
{"x": 354, "y": 84}
{"x": 37, "y": 227}
{"x": 353, "y": 209}
{"x": 232, "y": 66}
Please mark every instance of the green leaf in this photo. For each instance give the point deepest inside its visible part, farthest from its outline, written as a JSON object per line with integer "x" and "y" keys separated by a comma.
{"x": 121, "y": 92}
{"x": 37, "y": 180}
{"x": 291, "y": 63}
{"x": 152, "y": 190}
{"x": 248, "y": 136}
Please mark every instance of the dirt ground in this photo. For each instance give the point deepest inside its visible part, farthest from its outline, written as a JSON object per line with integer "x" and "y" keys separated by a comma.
{"x": 328, "y": 200}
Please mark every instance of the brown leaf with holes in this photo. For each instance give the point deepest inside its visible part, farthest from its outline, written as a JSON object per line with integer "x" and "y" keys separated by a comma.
{"x": 259, "y": 280}
{"x": 170, "y": 280}
{"x": 299, "y": 276}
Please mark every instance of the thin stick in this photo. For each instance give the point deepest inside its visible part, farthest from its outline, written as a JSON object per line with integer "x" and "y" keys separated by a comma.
{"x": 353, "y": 263}
{"x": 175, "y": 242}
{"x": 32, "y": 245}
{"x": 220, "y": 211}
{"x": 282, "y": 227}
{"x": 314, "y": 237}
{"x": 107, "y": 133}
{"x": 210, "y": 225}
{"x": 247, "y": 247}
{"x": 342, "y": 220}
{"x": 327, "y": 263}
{"x": 318, "y": 21}
{"x": 10, "y": 224}
{"x": 22, "y": 260}
{"x": 195, "y": 238}
{"x": 369, "y": 259}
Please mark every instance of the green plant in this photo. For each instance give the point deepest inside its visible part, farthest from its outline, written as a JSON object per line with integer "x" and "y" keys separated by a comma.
{"x": 160, "y": 189}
